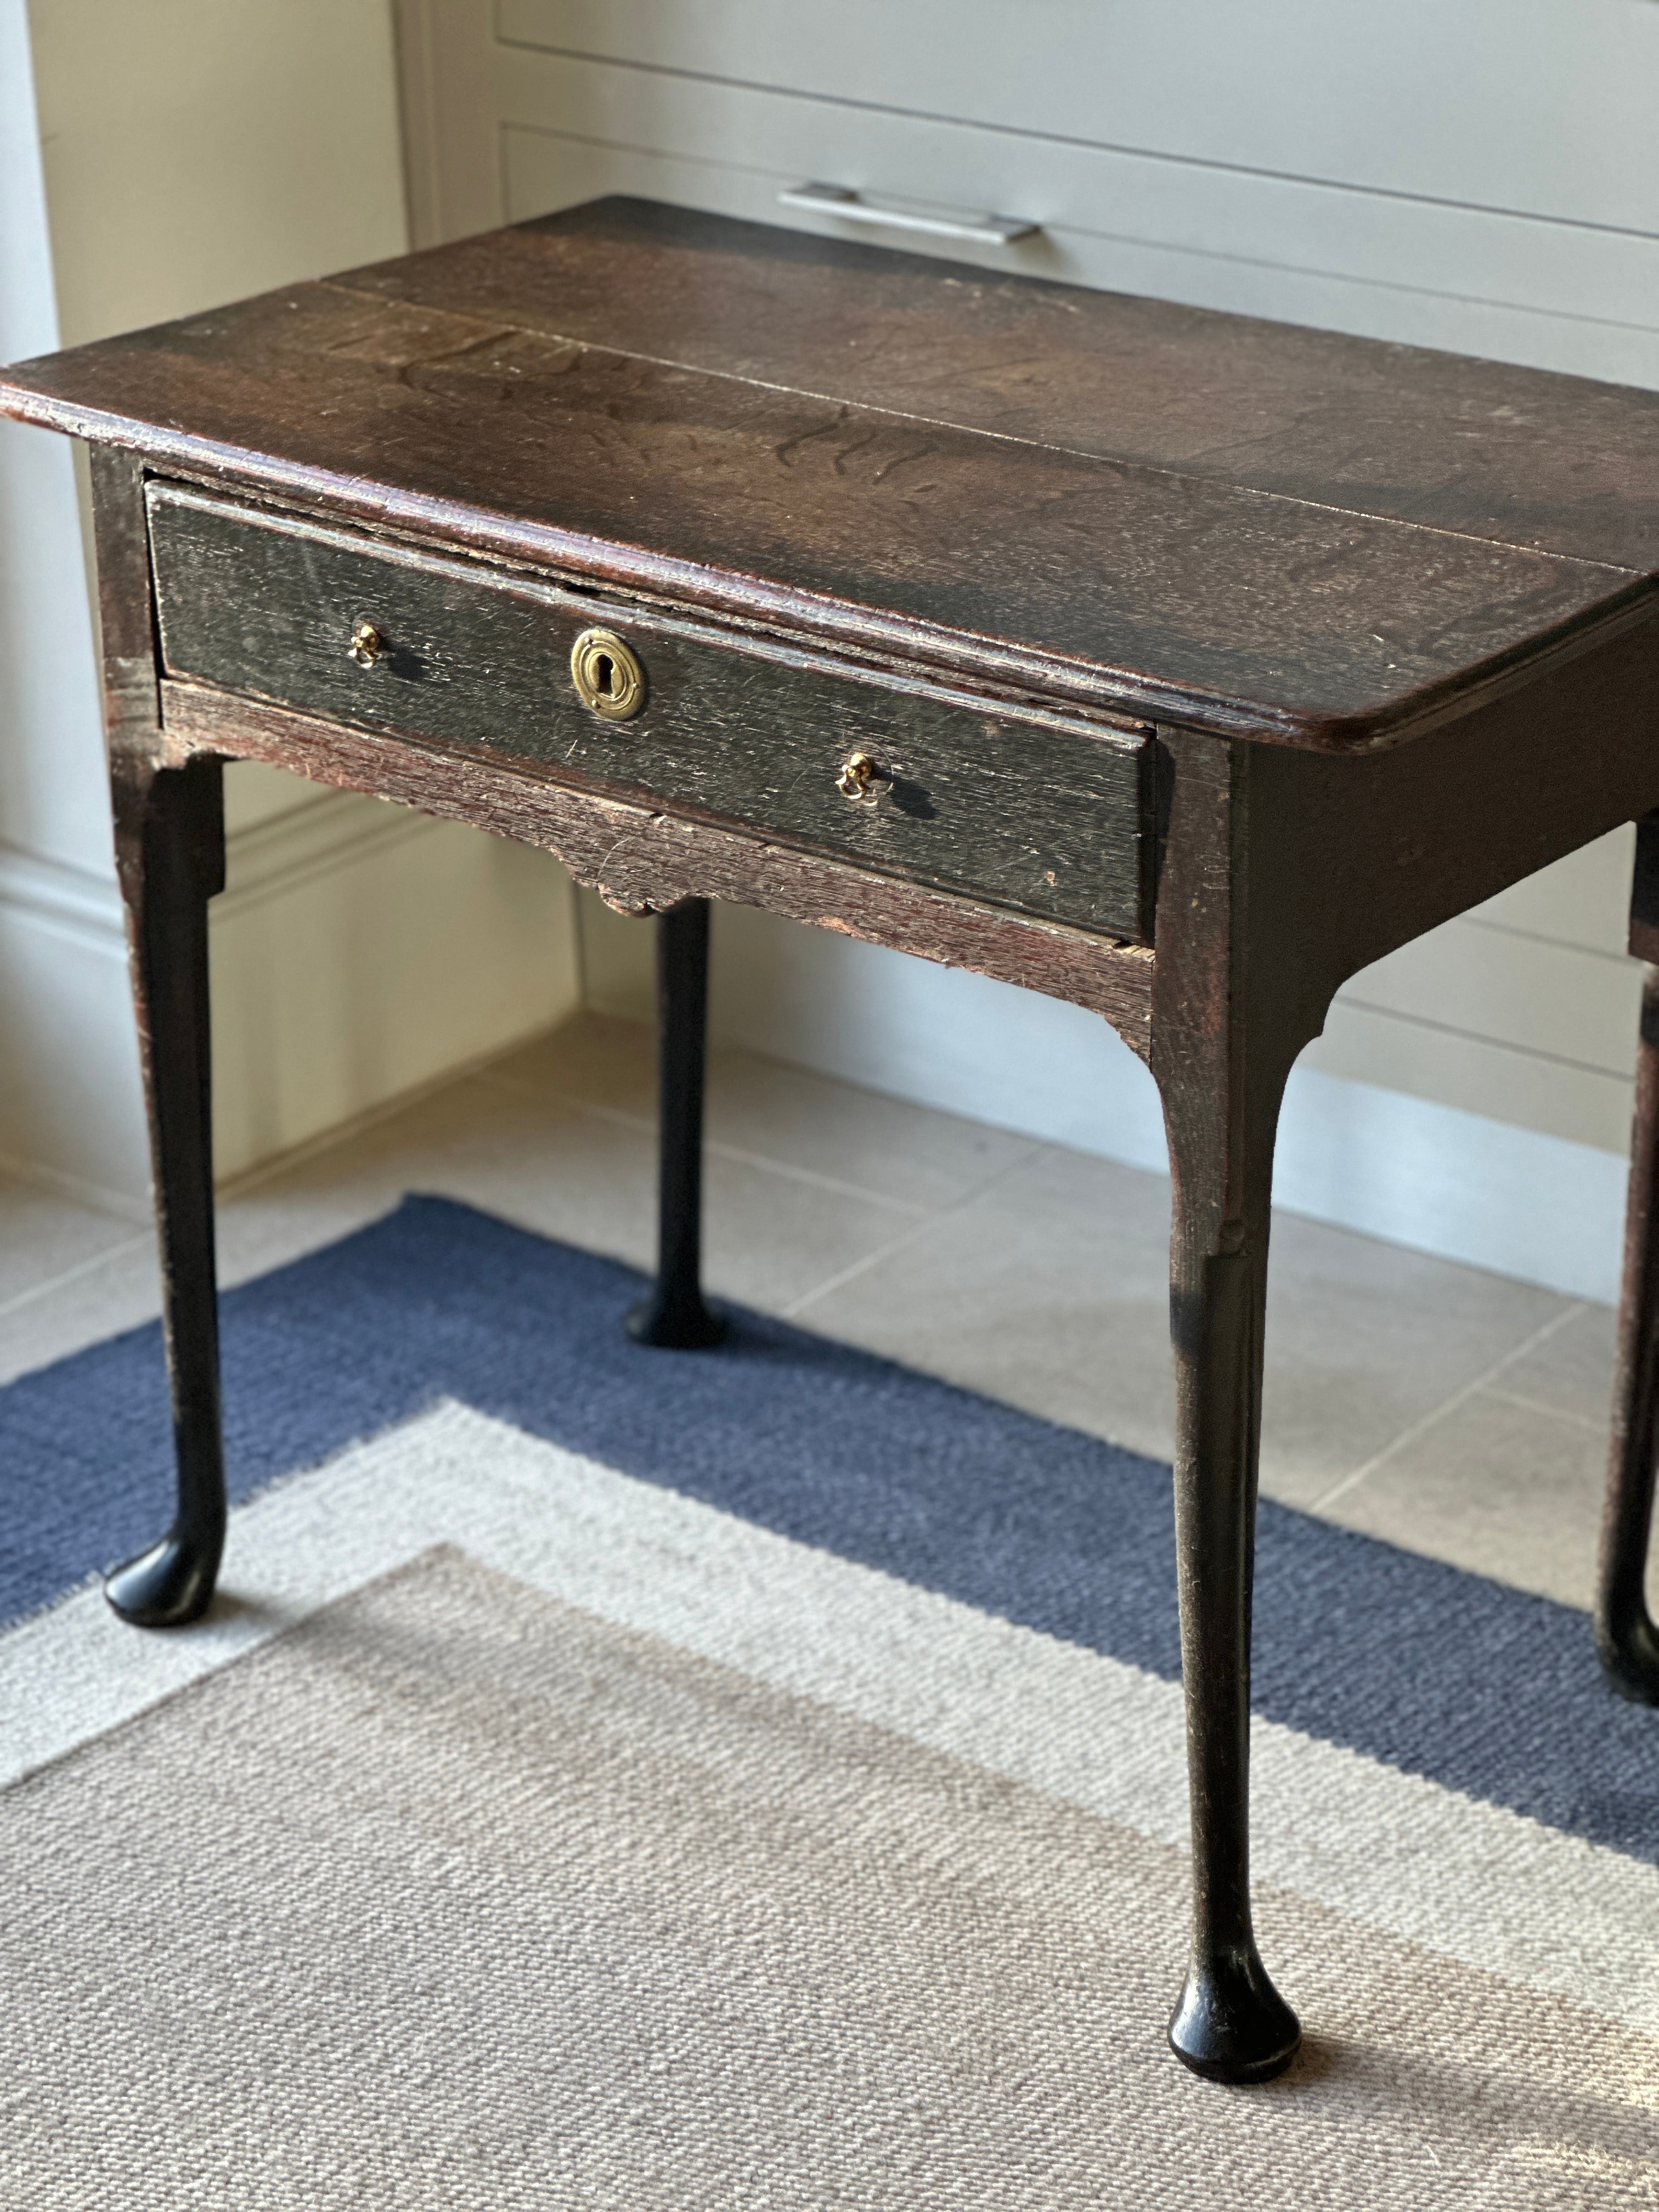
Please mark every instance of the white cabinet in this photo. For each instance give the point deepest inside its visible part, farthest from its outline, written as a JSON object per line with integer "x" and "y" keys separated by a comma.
{"x": 1482, "y": 175}
{"x": 1477, "y": 174}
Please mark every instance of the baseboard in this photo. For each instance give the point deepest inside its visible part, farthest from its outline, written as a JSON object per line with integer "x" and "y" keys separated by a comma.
{"x": 76, "y": 901}
{"x": 1408, "y": 1171}
{"x": 126, "y": 1204}
{"x": 361, "y": 953}
{"x": 1462, "y": 1186}
{"x": 71, "y": 1111}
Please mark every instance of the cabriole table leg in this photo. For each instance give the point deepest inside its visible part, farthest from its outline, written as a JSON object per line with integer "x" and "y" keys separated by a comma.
{"x": 1626, "y": 1635}
{"x": 1225, "y": 1034}
{"x": 169, "y": 829}
{"x": 1231, "y": 2023}
{"x": 674, "y": 1314}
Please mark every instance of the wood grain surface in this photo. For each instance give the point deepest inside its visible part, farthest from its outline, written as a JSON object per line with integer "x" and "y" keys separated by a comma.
{"x": 1249, "y": 530}
{"x": 1023, "y": 811}
{"x": 1557, "y": 463}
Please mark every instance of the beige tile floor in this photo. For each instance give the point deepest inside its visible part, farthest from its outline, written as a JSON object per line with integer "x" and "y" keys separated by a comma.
{"x": 1444, "y": 1409}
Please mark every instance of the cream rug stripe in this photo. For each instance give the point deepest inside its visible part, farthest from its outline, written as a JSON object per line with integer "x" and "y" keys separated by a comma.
{"x": 1473, "y": 1881}
{"x": 459, "y": 1897}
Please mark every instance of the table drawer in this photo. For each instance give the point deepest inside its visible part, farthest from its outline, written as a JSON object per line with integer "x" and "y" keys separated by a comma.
{"x": 1044, "y": 813}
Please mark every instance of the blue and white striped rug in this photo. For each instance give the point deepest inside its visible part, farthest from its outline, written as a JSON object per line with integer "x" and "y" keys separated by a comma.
{"x": 867, "y": 1691}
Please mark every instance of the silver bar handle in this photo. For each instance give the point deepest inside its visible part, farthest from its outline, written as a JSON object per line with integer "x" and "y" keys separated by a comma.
{"x": 850, "y": 207}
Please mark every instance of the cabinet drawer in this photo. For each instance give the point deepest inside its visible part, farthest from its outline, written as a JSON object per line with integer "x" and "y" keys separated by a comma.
{"x": 1045, "y": 813}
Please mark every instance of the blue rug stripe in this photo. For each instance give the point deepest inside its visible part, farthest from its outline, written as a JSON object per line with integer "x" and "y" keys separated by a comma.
{"x": 1441, "y": 1673}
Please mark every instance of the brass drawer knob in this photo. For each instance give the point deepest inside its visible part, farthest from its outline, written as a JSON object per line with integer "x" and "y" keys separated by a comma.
{"x": 367, "y": 645}
{"x": 862, "y": 782}
{"x": 607, "y": 675}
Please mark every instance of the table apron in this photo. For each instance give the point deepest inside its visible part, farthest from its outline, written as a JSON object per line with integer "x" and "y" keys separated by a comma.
{"x": 642, "y": 860}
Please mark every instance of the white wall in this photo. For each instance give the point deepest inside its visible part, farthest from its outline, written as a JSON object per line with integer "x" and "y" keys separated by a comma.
{"x": 192, "y": 151}
{"x": 1477, "y": 174}
{"x": 67, "y": 1055}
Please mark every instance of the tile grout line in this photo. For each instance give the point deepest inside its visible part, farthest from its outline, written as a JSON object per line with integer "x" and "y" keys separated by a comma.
{"x": 847, "y": 1274}
{"x": 646, "y": 1125}
{"x": 485, "y": 1076}
{"x": 839, "y": 1189}
{"x": 87, "y": 1267}
{"x": 1431, "y": 1420}
{"x": 717, "y": 1148}
{"x": 1551, "y": 1413}
{"x": 896, "y": 1244}
{"x": 250, "y": 1183}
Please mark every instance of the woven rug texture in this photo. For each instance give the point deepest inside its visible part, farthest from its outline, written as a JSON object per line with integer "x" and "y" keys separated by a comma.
{"x": 631, "y": 1780}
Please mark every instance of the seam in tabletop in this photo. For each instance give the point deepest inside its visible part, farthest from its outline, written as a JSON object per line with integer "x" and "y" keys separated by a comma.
{"x": 1002, "y": 437}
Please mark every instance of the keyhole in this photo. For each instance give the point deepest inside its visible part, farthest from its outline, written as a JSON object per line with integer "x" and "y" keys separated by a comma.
{"x": 607, "y": 675}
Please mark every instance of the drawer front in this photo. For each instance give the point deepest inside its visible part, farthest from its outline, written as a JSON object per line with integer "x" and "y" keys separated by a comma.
{"x": 1041, "y": 813}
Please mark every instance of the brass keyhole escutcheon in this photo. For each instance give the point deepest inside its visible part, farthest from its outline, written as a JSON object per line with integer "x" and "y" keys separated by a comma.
{"x": 607, "y": 675}
{"x": 367, "y": 645}
{"x": 862, "y": 782}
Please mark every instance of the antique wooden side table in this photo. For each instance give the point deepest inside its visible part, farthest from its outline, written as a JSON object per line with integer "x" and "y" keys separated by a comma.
{"x": 1169, "y": 662}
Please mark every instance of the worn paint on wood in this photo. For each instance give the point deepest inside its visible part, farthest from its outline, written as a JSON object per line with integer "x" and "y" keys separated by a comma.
{"x": 1031, "y": 813}
{"x": 641, "y": 860}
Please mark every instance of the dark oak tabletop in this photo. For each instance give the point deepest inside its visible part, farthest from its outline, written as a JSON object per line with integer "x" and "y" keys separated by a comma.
{"x": 1246, "y": 526}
